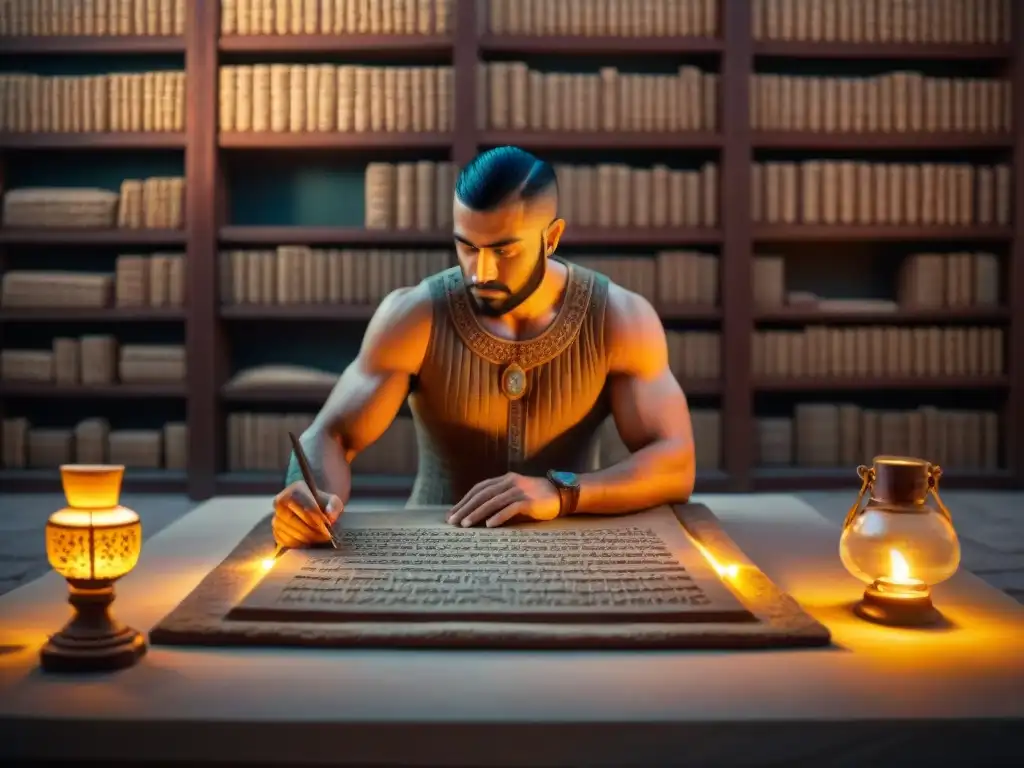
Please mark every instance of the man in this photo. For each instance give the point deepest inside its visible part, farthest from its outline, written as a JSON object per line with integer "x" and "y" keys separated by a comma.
{"x": 510, "y": 363}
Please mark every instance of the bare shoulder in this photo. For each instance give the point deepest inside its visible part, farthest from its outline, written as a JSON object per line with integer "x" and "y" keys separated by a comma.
{"x": 630, "y": 313}
{"x": 399, "y": 332}
{"x": 634, "y": 331}
{"x": 404, "y": 308}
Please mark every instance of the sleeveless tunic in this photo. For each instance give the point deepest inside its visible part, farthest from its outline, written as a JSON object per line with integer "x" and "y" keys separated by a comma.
{"x": 468, "y": 429}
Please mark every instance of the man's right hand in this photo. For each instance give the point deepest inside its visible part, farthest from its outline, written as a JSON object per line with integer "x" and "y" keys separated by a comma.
{"x": 297, "y": 521}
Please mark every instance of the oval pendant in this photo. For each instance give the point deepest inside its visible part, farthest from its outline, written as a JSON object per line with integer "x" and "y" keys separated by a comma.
{"x": 513, "y": 382}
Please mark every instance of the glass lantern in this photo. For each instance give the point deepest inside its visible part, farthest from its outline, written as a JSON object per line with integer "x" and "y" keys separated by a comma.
{"x": 898, "y": 544}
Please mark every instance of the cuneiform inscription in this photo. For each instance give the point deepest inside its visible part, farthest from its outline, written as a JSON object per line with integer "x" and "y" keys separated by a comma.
{"x": 553, "y": 570}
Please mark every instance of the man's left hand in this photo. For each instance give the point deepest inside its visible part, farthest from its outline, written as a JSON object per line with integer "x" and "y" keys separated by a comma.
{"x": 494, "y": 502}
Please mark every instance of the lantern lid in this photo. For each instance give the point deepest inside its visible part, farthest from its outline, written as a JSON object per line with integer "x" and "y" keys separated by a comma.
{"x": 901, "y": 461}
{"x": 901, "y": 480}
{"x": 92, "y": 486}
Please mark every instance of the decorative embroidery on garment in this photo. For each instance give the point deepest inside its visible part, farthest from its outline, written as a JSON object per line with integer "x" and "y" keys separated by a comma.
{"x": 516, "y": 358}
{"x": 531, "y": 352}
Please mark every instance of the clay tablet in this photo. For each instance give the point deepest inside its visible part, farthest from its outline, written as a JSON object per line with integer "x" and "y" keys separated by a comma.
{"x": 411, "y": 565}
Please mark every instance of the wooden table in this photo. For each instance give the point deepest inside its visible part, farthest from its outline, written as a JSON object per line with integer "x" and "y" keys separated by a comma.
{"x": 878, "y": 696}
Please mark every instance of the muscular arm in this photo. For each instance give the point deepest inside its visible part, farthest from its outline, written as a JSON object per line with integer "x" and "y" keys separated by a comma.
{"x": 650, "y": 412}
{"x": 370, "y": 392}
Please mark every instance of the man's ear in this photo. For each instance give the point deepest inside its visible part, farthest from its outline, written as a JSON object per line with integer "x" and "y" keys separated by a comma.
{"x": 553, "y": 236}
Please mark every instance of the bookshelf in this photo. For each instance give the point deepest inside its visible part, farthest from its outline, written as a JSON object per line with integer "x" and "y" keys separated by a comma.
{"x": 336, "y": 142}
{"x": 112, "y": 237}
{"x": 741, "y": 46}
{"x": 94, "y": 45}
{"x": 538, "y": 141}
{"x": 368, "y": 47}
{"x": 125, "y": 141}
{"x": 597, "y": 45}
{"x": 82, "y": 315}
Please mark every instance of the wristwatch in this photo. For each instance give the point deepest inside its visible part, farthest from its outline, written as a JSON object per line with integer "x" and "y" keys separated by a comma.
{"x": 568, "y": 487}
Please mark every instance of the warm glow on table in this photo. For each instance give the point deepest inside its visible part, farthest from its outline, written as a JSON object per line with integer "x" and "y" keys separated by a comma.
{"x": 268, "y": 562}
{"x": 726, "y": 571}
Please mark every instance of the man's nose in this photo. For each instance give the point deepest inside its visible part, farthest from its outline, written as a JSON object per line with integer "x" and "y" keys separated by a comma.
{"x": 485, "y": 268}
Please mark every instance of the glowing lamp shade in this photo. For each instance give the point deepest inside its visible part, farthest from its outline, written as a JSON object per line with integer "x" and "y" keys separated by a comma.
{"x": 92, "y": 543}
{"x": 898, "y": 544}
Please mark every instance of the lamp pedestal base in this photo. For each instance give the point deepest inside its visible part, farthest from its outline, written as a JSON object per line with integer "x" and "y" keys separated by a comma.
{"x": 905, "y": 608}
{"x": 93, "y": 641}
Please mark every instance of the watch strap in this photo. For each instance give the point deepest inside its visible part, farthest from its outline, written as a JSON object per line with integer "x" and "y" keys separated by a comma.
{"x": 572, "y": 502}
{"x": 568, "y": 495}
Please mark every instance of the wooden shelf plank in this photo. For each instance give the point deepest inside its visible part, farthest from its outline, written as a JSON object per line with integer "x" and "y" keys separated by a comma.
{"x": 135, "y": 481}
{"x": 801, "y": 315}
{"x": 602, "y": 45}
{"x": 105, "y": 140}
{"x": 408, "y": 47}
{"x": 1014, "y": 260}
{"x": 299, "y": 312}
{"x": 794, "y": 479}
{"x": 563, "y": 140}
{"x": 266, "y": 483}
{"x": 712, "y": 481}
{"x": 640, "y": 237}
{"x": 207, "y": 196}
{"x": 853, "y": 384}
{"x": 806, "y": 49}
{"x": 91, "y": 314}
{"x": 362, "y": 312}
{"x": 390, "y": 486}
{"x": 358, "y": 236}
{"x": 769, "y": 480}
{"x": 698, "y": 387}
{"x": 316, "y": 394}
{"x": 796, "y": 233}
{"x": 335, "y": 141}
{"x": 43, "y": 391}
{"x": 91, "y": 44}
{"x": 307, "y": 394}
{"x": 331, "y": 236}
{"x": 113, "y": 237}
{"x": 687, "y": 312}
{"x": 818, "y": 140}
{"x": 736, "y": 266}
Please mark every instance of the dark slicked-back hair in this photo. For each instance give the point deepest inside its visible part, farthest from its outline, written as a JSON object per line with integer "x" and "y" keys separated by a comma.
{"x": 503, "y": 174}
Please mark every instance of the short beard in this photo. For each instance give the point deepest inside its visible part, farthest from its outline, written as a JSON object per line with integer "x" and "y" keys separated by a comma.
{"x": 503, "y": 306}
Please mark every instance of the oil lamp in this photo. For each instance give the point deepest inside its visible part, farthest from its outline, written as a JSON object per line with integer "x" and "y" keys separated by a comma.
{"x": 92, "y": 543}
{"x": 898, "y": 544}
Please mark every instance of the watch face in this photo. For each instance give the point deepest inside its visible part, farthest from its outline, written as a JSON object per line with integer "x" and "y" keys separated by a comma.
{"x": 567, "y": 479}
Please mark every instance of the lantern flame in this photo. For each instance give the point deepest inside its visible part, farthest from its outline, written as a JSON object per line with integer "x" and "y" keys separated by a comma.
{"x": 900, "y": 569}
{"x": 267, "y": 564}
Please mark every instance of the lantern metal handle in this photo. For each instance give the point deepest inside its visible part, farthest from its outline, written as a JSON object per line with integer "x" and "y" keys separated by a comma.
{"x": 934, "y": 473}
{"x": 867, "y": 477}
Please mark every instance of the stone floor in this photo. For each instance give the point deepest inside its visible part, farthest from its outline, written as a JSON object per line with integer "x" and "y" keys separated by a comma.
{"x": 990, "y": 525}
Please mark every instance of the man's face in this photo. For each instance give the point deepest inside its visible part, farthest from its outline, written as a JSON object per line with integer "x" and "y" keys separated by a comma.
{"x": 502, "y": 253}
